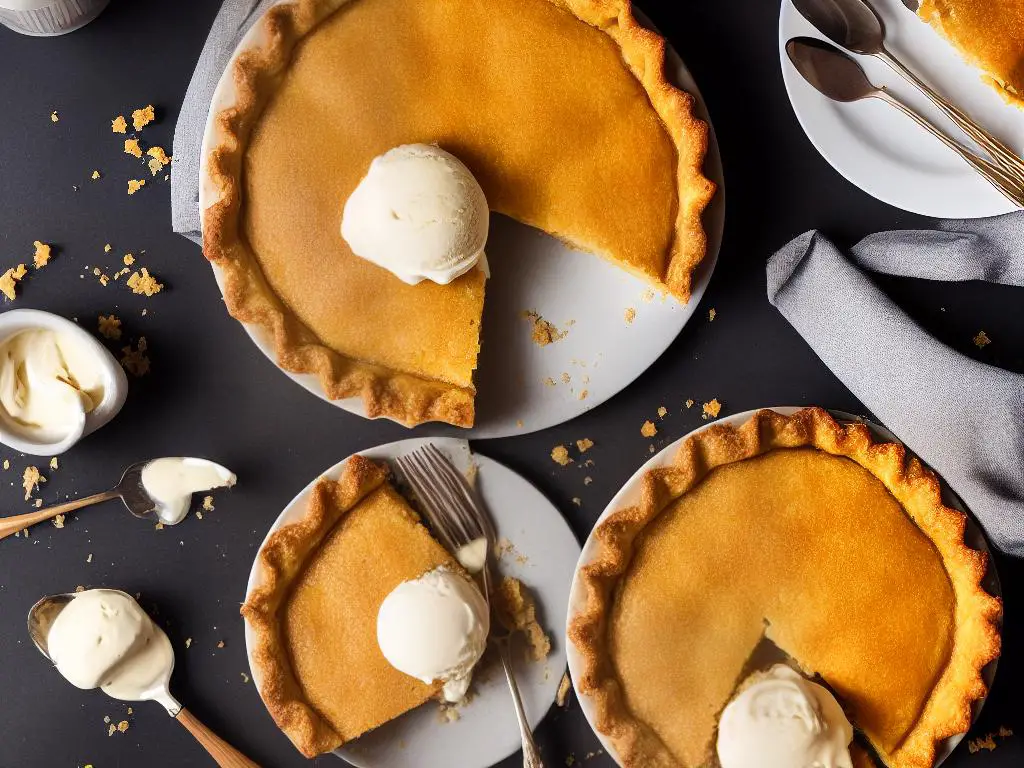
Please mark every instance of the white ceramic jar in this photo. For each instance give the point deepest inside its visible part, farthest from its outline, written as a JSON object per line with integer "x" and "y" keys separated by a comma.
{"x": 109, "y": 385}
{"x": 44, "y": 18}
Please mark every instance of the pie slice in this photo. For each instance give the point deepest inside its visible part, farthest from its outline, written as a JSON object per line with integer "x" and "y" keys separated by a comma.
{"x": 798, "y": 529}
{"x": 561, "y": 110}
{"x": 319, "y": 668}
{"x": 989, "y": 35}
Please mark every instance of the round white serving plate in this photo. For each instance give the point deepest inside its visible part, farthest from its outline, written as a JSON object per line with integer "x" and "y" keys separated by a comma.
{"x": 630, "y": 494}
{"x": 544, "y": 557}
{"x": 530, "y": 270}
{"x": 881, "y": 150}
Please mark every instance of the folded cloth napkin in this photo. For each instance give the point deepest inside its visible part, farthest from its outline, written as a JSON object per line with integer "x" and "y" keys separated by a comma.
{"x": 964, "y": 418}
{"x": 233, "y": 20}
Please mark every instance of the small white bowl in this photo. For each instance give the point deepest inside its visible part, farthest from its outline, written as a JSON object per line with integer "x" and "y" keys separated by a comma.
{"x": 115, "y": 383}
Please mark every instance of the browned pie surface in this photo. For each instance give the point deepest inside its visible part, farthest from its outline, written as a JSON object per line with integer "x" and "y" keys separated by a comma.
{"x": 330, "y": 618}
{"x": 538, "y": 104}
{"x": 989, "y": 34}
{"x": 813, "y": 547}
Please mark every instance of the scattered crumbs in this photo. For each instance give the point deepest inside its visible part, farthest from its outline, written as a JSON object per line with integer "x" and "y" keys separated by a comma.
{"x": 982, "y": 340}
{"x": 54, "y": 117}
{"x": 220, "y": 644}
{"x": 134, "y": 185}
{"x": 144, "y": 283}
{"x": 10, "y": 279}
{"x": 588, "y": 480}
{"x": 549, "y": 382}
{"x": 577, "y": 501}
{"x": 95, "y": 175}
{"x": 106, "y": 248}
{"x": 662, "y": 412}
{"x": 563, "y": 690}
{"x": 112, "y": 730}
{"x": 648, "y": 296}
{"x": 30, "y": 481}
{"x": 689, "y": 403}
{"x": 585, "y": 444}
{"x": 630, "y": 315}
{"x": 188, "y": 643}
{"x": 1004, "y": 731}
{"x": 712, "y": 409}
{"x": 104, "y": 280}
{"x": 7, "y": 464}
{"x": 542, "y": 331}
{"x": 58, "y": 521}
{"x": 559, "y": 455}
{"x": 54, "y": 464}
{"x": 131, "y": 147}
{"x": 119, "y": 124}
{"x": 566, "y": 378}
{"x": 158, "y": 158}
{"x": 711, "y": 314}
{"x": 128, "y": 259}
{"x": 583, "y": 395}
{"x": 245, "y": 677}
{"x": 982, "y": 742}
{"x": 110, "y": 327}
{"x": 517, "y": 612}
{"x": 143, "y": 116}
{"x": 208, "y": 503}
{"x": 122, "y": 726}
{"x": 648, "y": 429}
{"x": 89, "y": 558}
{"x": 42, "y": 255}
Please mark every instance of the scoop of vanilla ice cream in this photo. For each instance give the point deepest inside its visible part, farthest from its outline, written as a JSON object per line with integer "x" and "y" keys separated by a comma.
{"x": 781, "y": 720}
{"x": 418, "y": 213}
{"x": 435, "y": 628}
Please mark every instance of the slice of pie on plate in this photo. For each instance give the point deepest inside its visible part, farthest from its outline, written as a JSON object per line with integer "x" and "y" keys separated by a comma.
{"x": 796, "y": 529}
{"x": 316, "y": 659}
{"x": 989, "y": 35}
{"x": 561, "y": 110}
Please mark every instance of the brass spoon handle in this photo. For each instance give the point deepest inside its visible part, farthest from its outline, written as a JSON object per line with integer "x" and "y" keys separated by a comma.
{"x": 223, "y": 753}
{"x": 1002, "y": 154}
{"x": 14, "y": 523}
{"x": 997, "y": 177}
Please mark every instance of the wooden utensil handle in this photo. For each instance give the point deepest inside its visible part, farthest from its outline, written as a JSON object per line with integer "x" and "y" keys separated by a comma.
{"x": 14, "y": 523}
{"x": 223, "y": 753}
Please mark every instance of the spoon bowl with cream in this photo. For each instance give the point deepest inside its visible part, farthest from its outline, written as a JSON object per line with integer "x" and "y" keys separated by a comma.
{"x": 102, "y": 638}
{"x": 158, "y": 488}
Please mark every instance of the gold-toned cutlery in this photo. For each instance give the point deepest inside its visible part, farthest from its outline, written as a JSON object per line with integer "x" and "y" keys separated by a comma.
{"x": 857, "y": 27}
{"x": 839, "y": 77}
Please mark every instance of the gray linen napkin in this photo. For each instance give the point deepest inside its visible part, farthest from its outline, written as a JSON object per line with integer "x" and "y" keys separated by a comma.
{"x": 964, "y": 418}
{"x": 233, "y": 20}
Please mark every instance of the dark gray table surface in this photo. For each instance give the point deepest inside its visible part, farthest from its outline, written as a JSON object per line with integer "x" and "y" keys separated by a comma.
{"x": 212, "y": 393}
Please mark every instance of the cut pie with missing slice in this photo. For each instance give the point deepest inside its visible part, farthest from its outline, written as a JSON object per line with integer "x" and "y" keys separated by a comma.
{"x": 318, "y": 666}
{"x": 561, "y": 110}
{"x": 837, "y": 549}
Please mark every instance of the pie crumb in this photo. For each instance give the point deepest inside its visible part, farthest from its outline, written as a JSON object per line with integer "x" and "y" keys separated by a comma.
{"x": 54, "y": 463}
{"x": 144, "y": 283}
{"x": 518, "y": 613}
{"x": 577, "y": 501}
{"x": 188, "y": 643}
{"x": 42, "y": 255}
{"x": 95, "y": 175}
{"x": 982, "y": 340}
{"x": 7, "y": 464}
{"x": 542, "y": 331}
{"x": 88, "y": 559}
{"x": 158, "y": 527}
{"x": 712, "y": 409}
{"x": 648, "y": 429}
{"x": 10, "y": 279}
{"x": 135, "y": 360}
{"x": 711, "y": 314}
{"x": 549, "y": 382}
{"x": 131, "y": 147}
{"x": 583, "y": 395}
{"x": 585, "y": 444}
{"x": 982, "y": 742}
{"x": 106, "y": 248}
{"x": 648, "y": 296}
{"x": 563, "y": 690}
{"x": 689, "y": 403}
{"x": 208, "y": 503}
{"x": 111, "y": 730}
{"x": 134, "y": 185}
{"x": 519, "y": 423}
{"x": 143, "y": 116}
{"x": 220, "y": 644}
{"x": 58, "y": 521}
{"x": 630, "y": 315}
{"x": 30, "y": 481}
{"x": 110, "y": 327}
{"x": 54, "y": 117}
{"x": 119, "y": 124}
{"x": 128, "y": 259}
{"x": 559, "y": 455}
{"x": 588, "y": 480}
{"x": 662, "y": 412}
{"x": 245, "y": 677}
{"x": 122, "y": 726}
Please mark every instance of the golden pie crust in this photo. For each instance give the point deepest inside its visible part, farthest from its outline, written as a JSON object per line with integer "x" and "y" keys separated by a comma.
{"x": 885, "y": 566}
{"x": 319, "y": 669}
{"x": 586, "y": 140}
{"x": 989, "y": 35}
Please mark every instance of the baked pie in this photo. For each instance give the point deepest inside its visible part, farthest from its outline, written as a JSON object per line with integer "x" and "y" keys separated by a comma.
{"x": 803, "y": 533}
{"x": 561, "y": 110}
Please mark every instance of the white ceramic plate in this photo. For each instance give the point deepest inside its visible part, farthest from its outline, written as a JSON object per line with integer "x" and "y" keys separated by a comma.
{"x": 630, "y": 494}
{"x": 544, "y": 558}
{"x": 881, "y": 150}
{"x": 533, "y": 271}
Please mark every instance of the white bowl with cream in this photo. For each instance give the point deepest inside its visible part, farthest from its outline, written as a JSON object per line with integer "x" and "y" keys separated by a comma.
{"x": 58, "y": 383}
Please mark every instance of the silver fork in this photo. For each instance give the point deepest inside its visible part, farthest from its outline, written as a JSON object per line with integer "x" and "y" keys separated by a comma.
{"x": 458, "y": 520}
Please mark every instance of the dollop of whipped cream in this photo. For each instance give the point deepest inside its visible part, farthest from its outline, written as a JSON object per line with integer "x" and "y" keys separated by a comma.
{"x": 170, "y": 483}
{"x": 435, "y": 628}
{"x": 48, "y": 383}
{"x": 781, "y": 720}
{"x": 419, "y": 213}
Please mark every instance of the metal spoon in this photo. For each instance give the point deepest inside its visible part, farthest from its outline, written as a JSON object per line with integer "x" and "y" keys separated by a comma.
{"x": 130, "y": 490}
{"x": 40, "y": 619}
{"x": 839, "y": 77}
{"x": 856, "y": 26}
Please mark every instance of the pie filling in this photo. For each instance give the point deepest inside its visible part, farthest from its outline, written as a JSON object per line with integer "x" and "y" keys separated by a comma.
{"x": 799, "y": 547}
